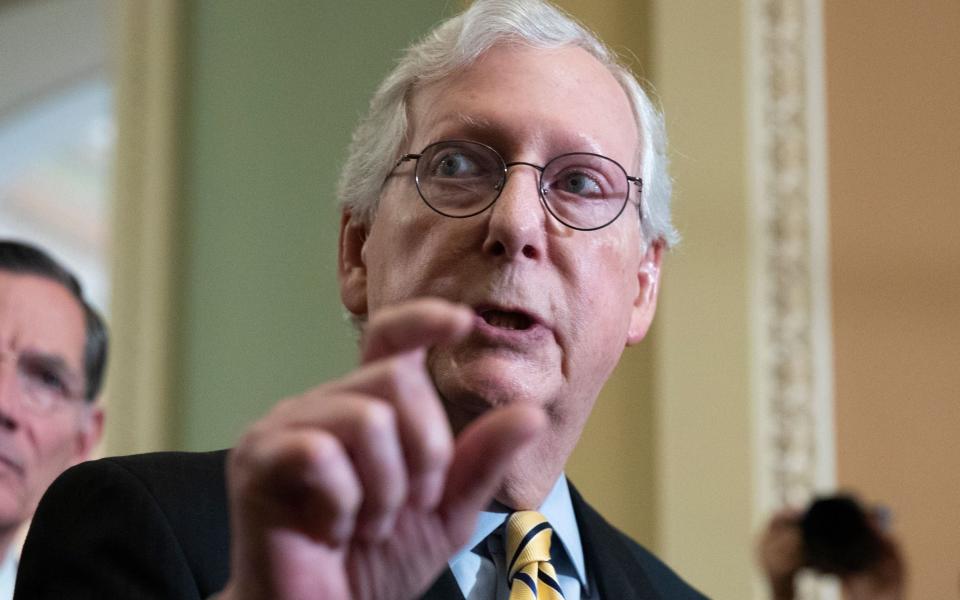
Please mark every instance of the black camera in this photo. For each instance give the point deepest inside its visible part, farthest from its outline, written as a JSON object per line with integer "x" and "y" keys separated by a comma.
{"x": 839, "y": 536}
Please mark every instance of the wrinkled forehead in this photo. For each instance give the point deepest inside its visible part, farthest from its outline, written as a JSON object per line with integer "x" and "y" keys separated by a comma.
{"x": 517, "y": 97}
{"x": 41, "y": 316}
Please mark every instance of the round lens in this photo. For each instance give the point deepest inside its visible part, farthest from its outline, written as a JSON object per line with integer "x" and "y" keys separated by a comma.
{"x": 584, "y": 191}
{"x": 459, "y": 178}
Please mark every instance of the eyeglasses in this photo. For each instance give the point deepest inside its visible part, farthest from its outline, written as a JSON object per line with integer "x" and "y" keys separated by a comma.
{"x": 46, "y": 385}
{"x": 582, "y": 190}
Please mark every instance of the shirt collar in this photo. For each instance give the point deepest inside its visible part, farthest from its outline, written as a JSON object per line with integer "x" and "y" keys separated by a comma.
{"x": 558, "y": 509}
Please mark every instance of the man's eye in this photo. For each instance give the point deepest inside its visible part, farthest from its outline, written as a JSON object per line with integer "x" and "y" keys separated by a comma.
{"x": 48, "y": 379}
{"x": 579, "y": 183}
{"x": 52, "y": 381}
{"x": 455, "y": 165}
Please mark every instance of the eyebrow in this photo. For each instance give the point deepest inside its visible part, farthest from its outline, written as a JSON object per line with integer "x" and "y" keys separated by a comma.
{"x": 473, "y": 121}
{"x": 489, "y": 131}
{"x": 56, "y": 364}
{"x": 464, "y": 125}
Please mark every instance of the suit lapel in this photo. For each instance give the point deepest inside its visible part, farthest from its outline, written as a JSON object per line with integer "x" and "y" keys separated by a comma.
{"x": 444, "y": 588}
{"x": 608, "y": 564}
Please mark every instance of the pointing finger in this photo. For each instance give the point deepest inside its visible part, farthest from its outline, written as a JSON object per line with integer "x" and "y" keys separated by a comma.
{"x": 421, "y": 323}
{"x": 403, "y": 381}
{"x": 484, "y": 451}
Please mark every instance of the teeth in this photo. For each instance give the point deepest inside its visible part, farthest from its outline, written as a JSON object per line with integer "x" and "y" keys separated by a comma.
{"x": 505, "y": 320}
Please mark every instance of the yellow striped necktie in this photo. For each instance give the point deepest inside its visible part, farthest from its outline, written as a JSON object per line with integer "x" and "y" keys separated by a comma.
{"x": 530, "y": 574}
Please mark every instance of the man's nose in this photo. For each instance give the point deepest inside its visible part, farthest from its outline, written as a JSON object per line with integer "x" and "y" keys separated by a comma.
{"x": 517, "y": 224}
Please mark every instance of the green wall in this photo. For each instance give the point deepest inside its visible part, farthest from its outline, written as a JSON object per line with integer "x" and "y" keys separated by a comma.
{"x": 270, "y": 97}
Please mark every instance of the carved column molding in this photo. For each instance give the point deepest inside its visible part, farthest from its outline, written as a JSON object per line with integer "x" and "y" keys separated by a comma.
{"x": 792, "y": 354}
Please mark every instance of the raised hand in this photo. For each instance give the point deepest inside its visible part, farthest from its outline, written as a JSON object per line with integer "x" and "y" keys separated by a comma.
{"x": 781, "y": 556}
{"x": 357, "y": 488}
{"x": 780, "y": 553}
{"x": 885, "y": 579}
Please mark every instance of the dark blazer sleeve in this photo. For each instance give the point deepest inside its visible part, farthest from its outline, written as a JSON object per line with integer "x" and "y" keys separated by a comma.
{"x": 148, "y": 527}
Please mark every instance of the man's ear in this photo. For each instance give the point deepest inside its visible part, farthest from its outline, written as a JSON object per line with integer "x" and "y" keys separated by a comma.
{"x": 89, "y": 432}
{"x": 351, "y": 268}
{"x": 648, "y": 285}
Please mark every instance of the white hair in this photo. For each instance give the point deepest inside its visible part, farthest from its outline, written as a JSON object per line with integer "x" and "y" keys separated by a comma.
{"x": 457, "y": 43}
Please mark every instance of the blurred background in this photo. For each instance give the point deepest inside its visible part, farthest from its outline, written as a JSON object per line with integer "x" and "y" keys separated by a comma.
{"x": 182, "y": 157}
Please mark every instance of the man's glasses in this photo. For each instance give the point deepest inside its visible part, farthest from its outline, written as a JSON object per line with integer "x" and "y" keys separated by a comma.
{"x": 582, "y": 190}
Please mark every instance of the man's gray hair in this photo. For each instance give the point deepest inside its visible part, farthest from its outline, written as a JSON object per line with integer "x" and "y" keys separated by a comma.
{"x": 457, "y": 43}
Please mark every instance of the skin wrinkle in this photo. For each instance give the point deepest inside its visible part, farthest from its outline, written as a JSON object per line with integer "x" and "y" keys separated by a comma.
{"x": 582, "y": 283}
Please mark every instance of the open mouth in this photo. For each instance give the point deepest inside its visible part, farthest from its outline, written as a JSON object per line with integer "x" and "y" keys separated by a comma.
{"x": 513, "y": 321}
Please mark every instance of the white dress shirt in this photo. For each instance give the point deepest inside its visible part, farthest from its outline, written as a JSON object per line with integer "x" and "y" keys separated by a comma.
{"x": 479, "y": 569}
{"x": 8, "y": 573}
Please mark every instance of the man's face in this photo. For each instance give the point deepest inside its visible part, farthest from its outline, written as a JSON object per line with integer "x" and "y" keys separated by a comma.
{"x": 555, "y": 306}
{"x": 42, "y": 333}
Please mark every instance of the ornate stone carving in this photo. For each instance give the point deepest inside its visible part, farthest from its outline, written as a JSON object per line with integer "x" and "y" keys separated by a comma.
{"x": 792, "y": 336}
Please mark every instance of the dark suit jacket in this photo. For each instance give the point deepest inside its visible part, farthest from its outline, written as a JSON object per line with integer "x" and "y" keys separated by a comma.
{"x": 156, "y": 526}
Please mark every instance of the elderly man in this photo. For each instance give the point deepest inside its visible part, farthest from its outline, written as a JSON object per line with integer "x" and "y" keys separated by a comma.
{"x": 505, "y": 209}
{"x": 52, "y": 353}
